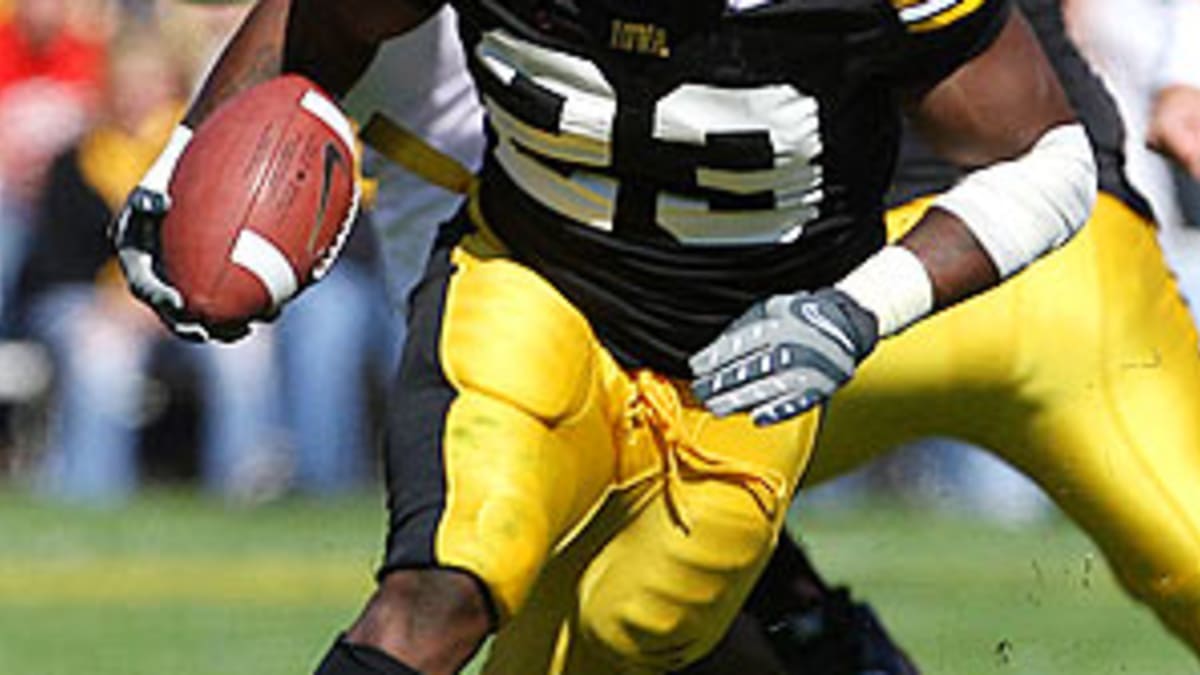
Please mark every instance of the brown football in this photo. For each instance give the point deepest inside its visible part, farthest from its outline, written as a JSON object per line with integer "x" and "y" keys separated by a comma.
{"x": 261, "y": 201}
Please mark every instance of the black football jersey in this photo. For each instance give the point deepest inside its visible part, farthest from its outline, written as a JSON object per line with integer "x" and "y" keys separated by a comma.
{"x": 921, "y": 172}
{"x": 666, "y": 163}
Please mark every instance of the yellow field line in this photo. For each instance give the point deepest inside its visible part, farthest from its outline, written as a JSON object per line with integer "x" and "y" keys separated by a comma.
{"x": 148, "y": 580}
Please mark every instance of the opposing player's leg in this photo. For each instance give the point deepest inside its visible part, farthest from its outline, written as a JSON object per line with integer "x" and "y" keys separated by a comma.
{"x": 498, "y": 447}
{"x": 1084, "y": 373}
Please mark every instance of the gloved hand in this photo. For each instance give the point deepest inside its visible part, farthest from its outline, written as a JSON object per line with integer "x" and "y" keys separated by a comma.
{"x": 785, "y": 355}
{"x": 135, "y": 236}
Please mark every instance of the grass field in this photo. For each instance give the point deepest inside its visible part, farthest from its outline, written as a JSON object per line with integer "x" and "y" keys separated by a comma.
{"x": 176, "y": 585}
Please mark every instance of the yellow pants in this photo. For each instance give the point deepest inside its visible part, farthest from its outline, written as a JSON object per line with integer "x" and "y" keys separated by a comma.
{"x": 518, "y": 446}
{"x": 1083, "y": 373}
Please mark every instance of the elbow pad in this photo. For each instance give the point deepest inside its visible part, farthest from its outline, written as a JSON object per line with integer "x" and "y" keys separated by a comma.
{"x": 1022, "y": 208}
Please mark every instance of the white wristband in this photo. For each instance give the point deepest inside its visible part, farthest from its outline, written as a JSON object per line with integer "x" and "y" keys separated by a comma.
{"x": 894, "y": 285}
{"x": 158, "y": 177}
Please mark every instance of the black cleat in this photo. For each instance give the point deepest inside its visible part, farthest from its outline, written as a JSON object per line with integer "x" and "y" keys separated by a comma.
{"x": 837, "y": 637}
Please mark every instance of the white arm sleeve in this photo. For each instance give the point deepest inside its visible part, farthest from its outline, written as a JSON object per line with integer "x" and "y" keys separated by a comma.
{"x": 1022, "y": 208}
{"x": 1017, "y": 210}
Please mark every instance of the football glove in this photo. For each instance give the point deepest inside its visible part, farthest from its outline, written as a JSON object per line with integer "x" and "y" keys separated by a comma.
{"x": 785, "y": 355}
{"x": 135, "y": 236}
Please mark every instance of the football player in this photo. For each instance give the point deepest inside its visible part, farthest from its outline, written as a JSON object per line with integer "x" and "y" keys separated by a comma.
{"x": 1105, "y": 500}
{"x": 673, "y": 254}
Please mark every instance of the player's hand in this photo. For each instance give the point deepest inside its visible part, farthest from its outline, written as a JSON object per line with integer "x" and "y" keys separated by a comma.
{"x": 784, "y": 356}
{"x": 135, "y": 236}
{"x": 1175, "y": 126}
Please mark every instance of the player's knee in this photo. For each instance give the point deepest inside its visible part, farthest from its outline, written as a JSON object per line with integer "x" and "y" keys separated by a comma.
{"x": 668, "y": 617}
{"x": 655, "y": 633}
{"x": 510, "y": 543}
{"x": 432, "y": 616}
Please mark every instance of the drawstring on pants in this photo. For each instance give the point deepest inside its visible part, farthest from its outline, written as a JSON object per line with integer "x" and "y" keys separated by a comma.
{"x": 657, "y": 404}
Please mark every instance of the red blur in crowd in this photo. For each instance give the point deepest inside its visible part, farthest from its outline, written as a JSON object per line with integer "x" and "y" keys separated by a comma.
{"x": 50, "y": 78}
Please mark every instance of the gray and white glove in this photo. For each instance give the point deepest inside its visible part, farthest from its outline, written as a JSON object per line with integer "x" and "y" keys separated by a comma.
{"x": 785, "y": 355}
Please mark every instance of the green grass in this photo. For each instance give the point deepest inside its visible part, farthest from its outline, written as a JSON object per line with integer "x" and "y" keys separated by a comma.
{"x": 971, "y": 598}
{"x": 178, "y": 585}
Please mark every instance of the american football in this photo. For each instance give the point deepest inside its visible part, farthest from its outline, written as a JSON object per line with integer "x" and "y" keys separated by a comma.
{"x": 261, "y": 201}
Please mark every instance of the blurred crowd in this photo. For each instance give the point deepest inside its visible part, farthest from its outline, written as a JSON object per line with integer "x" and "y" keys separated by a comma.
{"x": 90, "y": 89}
{"x": 89, "y": 92}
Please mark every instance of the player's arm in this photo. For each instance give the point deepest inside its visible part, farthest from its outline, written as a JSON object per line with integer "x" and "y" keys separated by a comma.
{"x": 1005, "y": 114}
{"x": 1002, "y": 111}
{"x": 331, "y": 42}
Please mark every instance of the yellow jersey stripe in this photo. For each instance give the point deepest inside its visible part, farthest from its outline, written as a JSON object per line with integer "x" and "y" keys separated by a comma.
{"x": 920, "y": 17}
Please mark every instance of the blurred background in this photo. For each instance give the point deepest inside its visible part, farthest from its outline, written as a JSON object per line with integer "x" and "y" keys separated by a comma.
{"x": 172, "y": 508}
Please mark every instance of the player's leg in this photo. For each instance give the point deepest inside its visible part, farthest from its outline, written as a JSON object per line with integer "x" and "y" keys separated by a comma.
{"x": 1084, "y": 373}
{"x": 661, "y": 593}
{"x": 1120, "y": 452}
{"x": 657, "y": 576}
{"x": 795, "y": 624}
{"x": 498, "y": 446}
{"x": 903, "y": 392}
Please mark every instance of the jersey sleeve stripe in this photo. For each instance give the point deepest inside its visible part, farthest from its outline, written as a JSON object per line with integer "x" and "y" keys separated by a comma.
{"x": 934, "y": 14}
